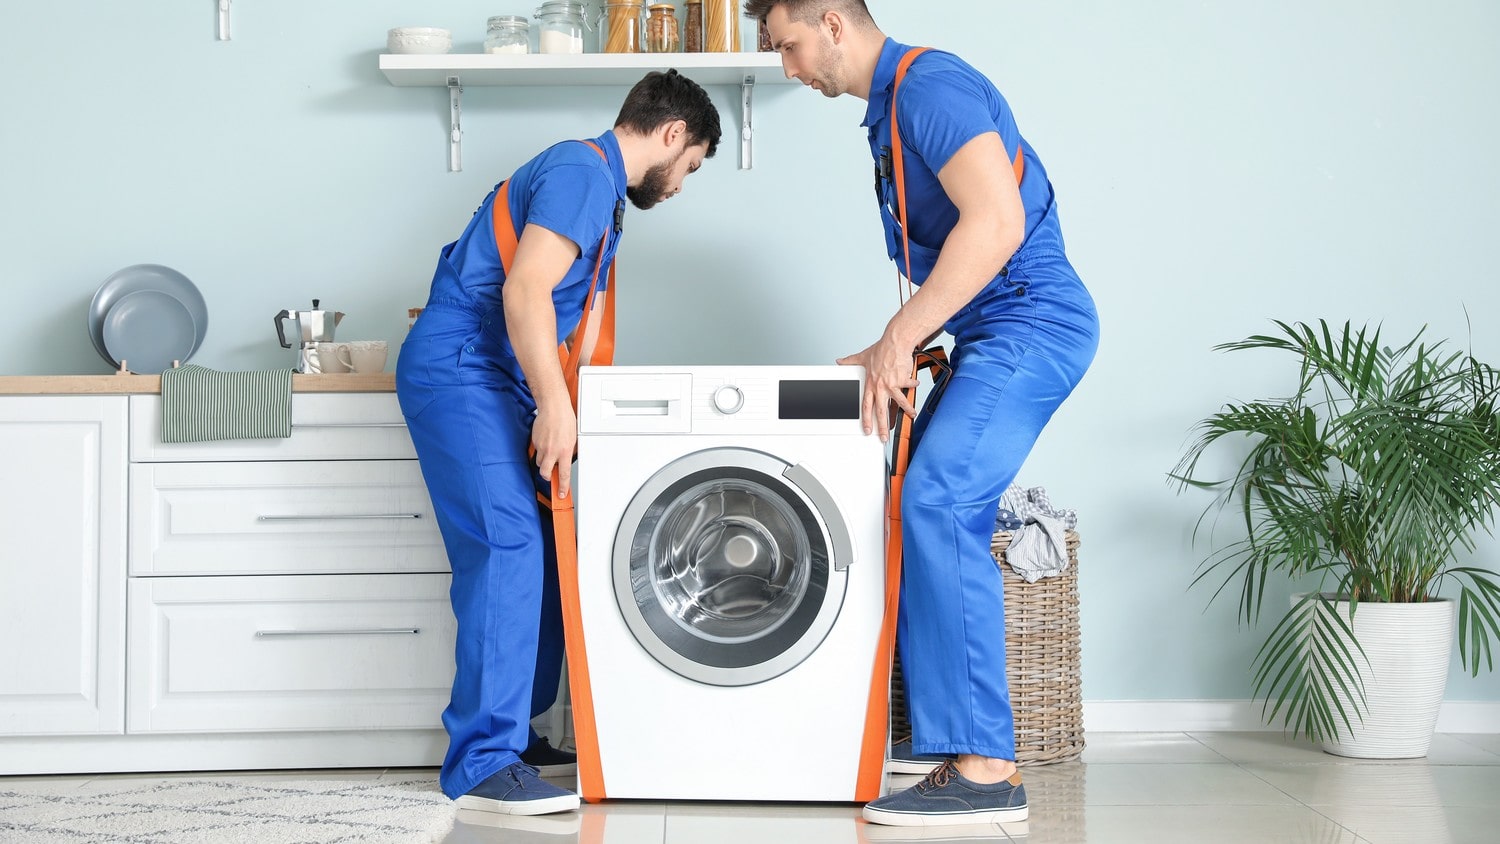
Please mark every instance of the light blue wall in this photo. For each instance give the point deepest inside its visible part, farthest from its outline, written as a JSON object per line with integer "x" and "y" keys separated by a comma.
{"x": 1218, "y": 165}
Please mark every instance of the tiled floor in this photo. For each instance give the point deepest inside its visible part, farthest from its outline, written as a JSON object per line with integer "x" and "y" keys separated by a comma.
{"x": 1129, "y": 787}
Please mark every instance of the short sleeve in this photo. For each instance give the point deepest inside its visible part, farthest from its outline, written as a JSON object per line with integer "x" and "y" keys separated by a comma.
{"x": 574, "y": 200}
{"x": 940, "y": 110}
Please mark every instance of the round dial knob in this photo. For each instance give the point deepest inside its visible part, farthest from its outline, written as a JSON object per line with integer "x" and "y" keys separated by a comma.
{"x": 728, "y": 399}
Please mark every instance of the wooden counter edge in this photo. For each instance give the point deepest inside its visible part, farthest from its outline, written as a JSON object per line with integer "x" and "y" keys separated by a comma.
{"x": 125, "y": 385}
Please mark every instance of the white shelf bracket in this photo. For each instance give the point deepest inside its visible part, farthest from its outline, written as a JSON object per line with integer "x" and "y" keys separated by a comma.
{"x": 747, "y": 131}
{"x": 455, "y": 128}
{"x": 223, "y": 20}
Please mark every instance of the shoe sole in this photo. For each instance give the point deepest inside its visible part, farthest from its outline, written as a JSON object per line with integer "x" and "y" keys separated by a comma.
{"x": 566, "y": 770}
{"x": 981, "y": 816}
{"x": 544, "y": 806}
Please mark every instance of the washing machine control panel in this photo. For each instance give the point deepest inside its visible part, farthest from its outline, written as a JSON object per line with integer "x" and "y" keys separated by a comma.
{"x": 729, "y": 399}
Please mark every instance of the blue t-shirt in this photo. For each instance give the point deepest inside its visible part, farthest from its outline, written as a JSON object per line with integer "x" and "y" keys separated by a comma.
{"x": 567, "y": 189}
{"x": 942, "y": 105}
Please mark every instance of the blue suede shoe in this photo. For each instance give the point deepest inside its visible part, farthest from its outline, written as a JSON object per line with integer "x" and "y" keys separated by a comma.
{"x": 517, "y": 790}
{"x": 903, "y": 761}
{"x": 946, "y": 798}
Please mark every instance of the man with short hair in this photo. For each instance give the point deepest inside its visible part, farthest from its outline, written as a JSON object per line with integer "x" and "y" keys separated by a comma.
{"x": 480, "y": 381}
{"x": 980, "y": 236}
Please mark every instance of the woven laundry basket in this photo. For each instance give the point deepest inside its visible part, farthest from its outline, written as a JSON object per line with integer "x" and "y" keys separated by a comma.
{"x": 1042, "y": 662}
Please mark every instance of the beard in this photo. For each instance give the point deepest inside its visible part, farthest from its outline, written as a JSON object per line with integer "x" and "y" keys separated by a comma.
{"x": 653, "y": 186}
{"x": 830, "y": 70}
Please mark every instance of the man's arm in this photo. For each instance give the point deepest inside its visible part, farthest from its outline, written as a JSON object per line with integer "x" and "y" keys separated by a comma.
{"x": 542, "y": 260}
{"x": 980, "y": 181}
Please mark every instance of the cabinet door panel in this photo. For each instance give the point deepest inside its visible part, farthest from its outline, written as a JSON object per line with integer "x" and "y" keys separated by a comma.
{"x": 325, "y": 426}
{"x": 62, "y": 565}
{"x": 342, "y": 652}
{"x": 365, "y": 516}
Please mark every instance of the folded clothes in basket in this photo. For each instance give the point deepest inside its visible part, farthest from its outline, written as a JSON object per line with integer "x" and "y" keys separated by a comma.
{"x": 199, "y": 404}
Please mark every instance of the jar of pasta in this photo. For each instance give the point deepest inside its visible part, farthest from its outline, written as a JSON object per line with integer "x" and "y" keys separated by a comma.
{"x": 661, "y": 29}
{"x": 624, "y": 22}
{"x": 721, "y": 26}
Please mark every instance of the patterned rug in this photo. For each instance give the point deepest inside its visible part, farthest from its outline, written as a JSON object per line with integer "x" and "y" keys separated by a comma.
{"x": 389, "y": 810}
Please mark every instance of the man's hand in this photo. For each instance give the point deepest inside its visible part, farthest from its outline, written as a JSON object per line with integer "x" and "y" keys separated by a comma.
{"x": 888, "y": 372}
{"x": 554, "y": 435}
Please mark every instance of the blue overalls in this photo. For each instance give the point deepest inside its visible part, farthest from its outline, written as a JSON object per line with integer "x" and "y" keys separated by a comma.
{"x": 1020, "y": 347}
{"x": 470, "y": 412}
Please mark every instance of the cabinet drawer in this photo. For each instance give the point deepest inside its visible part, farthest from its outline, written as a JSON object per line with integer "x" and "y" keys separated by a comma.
{"x": 368, "y": 516}
{"x": 325, "y": 426}
{"x": 341, "y": 652}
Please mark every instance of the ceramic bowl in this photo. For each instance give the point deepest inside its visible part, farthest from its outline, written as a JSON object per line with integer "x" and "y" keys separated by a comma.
{"x": 419, "y": 40}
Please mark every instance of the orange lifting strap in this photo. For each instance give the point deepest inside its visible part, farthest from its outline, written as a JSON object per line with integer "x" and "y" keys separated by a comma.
{"x": 594, "y": 341}
{"x": 877, "y": 712}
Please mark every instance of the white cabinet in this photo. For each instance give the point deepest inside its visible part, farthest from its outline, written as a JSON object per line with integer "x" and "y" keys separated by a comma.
{"x": 239, "y": 604}
{"x": 62, "y": 565}
{"x": 314, "y": 517}
{"x": 292, "y": 584}
{"x": 345, "y": 652}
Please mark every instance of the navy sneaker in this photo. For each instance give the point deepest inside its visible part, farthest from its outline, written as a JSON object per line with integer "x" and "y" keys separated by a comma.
{"x": 549, "y": 761}
{"x": 517, "y": 790}
{"x": 903, "y": 761}
{"x": 946, "y": 798}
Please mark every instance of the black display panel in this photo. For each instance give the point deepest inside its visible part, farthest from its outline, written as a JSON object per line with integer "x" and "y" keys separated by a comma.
{"x": 819, "y": 399}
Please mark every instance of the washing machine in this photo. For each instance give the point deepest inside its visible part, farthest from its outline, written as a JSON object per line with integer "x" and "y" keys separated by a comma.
{"x": 731, "y": 585}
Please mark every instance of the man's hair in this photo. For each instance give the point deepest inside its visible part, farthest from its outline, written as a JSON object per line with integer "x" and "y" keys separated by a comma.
{"x": 662, "y": 98}
{"x": 809, "y": 11}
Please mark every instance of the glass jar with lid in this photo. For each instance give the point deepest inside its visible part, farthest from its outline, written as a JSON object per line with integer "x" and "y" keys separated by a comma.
{"x": 624, "y": 22}
{"x": 662, "y": 35}
{"x": 563, "y": 24}
{"x": 721, "y": 26}
{"x": 692, "y": 27}
{"x": 508, "y": 34}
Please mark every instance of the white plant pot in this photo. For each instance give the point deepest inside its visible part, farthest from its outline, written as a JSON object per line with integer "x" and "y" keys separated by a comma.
{"x": 1408, "y": 648}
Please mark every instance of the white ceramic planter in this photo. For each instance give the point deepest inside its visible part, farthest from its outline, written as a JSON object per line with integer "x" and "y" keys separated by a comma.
{"x": 1408, "y": 648}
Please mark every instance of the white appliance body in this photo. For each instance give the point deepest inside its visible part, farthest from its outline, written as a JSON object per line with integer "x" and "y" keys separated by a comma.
{"x": 731, "y": 568}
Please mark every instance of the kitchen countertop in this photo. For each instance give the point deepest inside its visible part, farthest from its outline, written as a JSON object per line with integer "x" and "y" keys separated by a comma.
{"x": 116, "y": 385}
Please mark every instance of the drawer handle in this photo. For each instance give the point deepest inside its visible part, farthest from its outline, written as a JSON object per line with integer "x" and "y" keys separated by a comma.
{"x": 353, "y": 517}
{"x": 350, "y": 425}
{"x": 377, "y": 631}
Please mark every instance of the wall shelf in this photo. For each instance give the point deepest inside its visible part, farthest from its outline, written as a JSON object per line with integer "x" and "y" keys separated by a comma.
{"x": 456, "y": 70}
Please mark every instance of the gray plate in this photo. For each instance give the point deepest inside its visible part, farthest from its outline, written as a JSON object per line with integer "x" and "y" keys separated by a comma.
{"x": 148, "y": 329}
{"x": 146, "y": 277}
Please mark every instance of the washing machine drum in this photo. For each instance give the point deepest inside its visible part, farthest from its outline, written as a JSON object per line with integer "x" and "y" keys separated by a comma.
{"x": 729, "y": 566}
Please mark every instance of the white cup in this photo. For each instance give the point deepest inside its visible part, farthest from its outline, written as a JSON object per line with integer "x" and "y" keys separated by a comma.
{"x": 332, "y": 357}
{"x": 366, "y": 356}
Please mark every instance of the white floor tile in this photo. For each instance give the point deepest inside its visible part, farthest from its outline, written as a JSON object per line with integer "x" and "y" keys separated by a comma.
{"x": 1164, "y": 748}
{"x": 1183, "y": 825}
{"x": 1274, "y": 746}
{"x": 1352, "y": 784}
{"x": 958, "y": 834}
{"x": 1267, "y": 746}
{"x": 745, "y": 823}
{"x": 1141, "y": 785}
{"x": 1488, "y": 742}
{"x": 1417, "y": 824}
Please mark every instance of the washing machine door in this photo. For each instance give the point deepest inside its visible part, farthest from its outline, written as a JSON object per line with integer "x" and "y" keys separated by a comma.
{"x": 730, "y": 566}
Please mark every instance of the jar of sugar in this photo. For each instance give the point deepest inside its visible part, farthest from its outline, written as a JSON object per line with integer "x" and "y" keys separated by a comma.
{"x": 508, "y": 34}
{"x": 562, "y": 26}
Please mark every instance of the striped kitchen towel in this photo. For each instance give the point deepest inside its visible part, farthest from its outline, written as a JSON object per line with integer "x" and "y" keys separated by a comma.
{"x": 199, "y": 404}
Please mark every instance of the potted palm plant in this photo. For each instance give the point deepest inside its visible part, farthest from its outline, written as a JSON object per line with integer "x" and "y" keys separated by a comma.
{"x": 1366, "y": 483}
